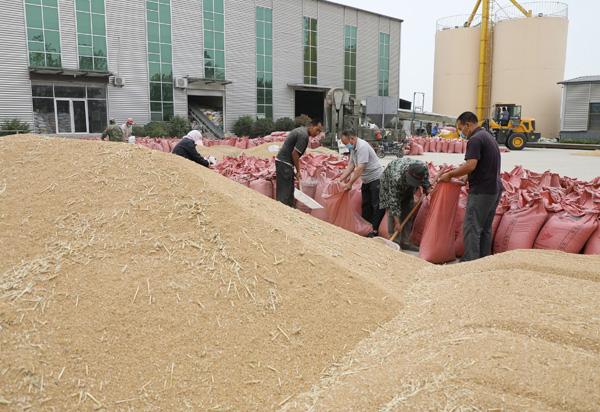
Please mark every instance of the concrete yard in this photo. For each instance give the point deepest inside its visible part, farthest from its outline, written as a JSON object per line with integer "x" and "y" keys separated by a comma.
{"x": 573, "y": 163}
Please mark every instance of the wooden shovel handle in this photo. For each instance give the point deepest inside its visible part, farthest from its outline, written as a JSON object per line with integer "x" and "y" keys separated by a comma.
{"x": 405, "y": 221}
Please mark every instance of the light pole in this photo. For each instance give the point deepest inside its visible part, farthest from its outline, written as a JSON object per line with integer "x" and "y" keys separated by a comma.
{"x": 414, "y": 107}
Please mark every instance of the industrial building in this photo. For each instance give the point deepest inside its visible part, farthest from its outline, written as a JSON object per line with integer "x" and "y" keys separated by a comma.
{"x": 580, "y": 118}
{"x": 524, "y": 60}
{"x": 69, "y": 65}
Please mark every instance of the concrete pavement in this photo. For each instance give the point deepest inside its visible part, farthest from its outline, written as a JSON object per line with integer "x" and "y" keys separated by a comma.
{"x": 583, "y": 165}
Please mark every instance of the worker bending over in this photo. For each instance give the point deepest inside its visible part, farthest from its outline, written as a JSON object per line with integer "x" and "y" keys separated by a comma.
{"x": 288, "y": 159}
{"x": 113, "y": 132}
{"x": 364, "y": 164}
{"x": 187, "y": 148}
{"x": 485, "y": 188}
{"x": 400, "y": 179}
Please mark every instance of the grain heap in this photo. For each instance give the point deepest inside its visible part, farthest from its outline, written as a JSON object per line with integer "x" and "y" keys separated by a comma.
{"x": 134, "y": 279}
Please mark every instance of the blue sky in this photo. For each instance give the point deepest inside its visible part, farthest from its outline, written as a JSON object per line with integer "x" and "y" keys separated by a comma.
{"x": 418, "y": 37}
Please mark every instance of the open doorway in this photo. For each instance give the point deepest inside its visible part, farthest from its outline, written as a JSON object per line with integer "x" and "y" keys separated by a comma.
{"x": 209, "y": 106}
{"x": 310, "y": 103}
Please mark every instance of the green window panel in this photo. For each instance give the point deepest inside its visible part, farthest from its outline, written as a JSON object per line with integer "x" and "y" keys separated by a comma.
{"x": 34, "y": 16}
{"x": 35, "y": 35}
{"x": 50, "y": 18}
{"x": 97, "y": 6}
{"x": 100, "y": 64}
{"x": 264, "y": 62}
{"x": 86, "y": 63}
{"x": 214, "y": 39}
{"x": 91, "y": 35}
{"x": 156, "y": 92}
{"x": 84, "y": 23}
{"x": 43, "y": 36}
{"x": 153, "y": 47}
{"x": 153, "y": 32}
{"x": 350, "y": 33}
{"x": 310, "y": 50}
{"x": 53, "y": 60}
{"x": 37, "y": 59}
{"x": 98, "y": 25}
{"x": 84, "y": 40}
{"x": 82, "y": 5}
{"x": 384, "y": 64}
{"x": 160, "y": 56}
{"x": 165, "y": 33}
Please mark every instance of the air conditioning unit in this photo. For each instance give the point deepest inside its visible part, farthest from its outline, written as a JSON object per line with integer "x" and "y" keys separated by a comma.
{"x": 118, "y": 81}
{"x": 181, "y": 83}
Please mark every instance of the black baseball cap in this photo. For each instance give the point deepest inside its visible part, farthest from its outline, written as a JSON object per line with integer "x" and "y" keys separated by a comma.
{"x": 416, "y": 174}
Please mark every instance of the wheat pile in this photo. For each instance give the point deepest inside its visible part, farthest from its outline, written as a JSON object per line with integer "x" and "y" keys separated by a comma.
{"x": 136, "y": 279}
{"x": 133, "y": 279}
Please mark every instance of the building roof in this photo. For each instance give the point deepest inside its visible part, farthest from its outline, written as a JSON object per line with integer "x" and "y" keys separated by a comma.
{"x": 583, "y": 79}
{"x": 339, "y": 3}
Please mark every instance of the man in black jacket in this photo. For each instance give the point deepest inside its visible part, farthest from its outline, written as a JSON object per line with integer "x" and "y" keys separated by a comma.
{"x": 187, "y": 148}
{"x": 482, "y": 165}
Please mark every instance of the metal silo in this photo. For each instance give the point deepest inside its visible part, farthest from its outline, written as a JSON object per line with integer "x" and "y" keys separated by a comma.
{"x": 456, "y": 66}
{"x": 529, "y": 60}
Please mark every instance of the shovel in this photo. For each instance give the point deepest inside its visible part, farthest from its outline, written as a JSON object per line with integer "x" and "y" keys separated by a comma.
{"x": 390, "y": 243}
{"x": 306, "y": 199}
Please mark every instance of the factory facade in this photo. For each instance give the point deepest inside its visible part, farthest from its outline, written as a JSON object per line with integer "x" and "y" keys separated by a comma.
{"x": 69, "y": 65}
{"x": 580, "y": 117}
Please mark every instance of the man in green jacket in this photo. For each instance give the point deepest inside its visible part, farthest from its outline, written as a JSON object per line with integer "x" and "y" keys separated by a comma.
{"x": 400, "y": 179}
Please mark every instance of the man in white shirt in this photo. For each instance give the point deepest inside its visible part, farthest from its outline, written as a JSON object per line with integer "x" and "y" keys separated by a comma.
{"x": 364, "y": 164}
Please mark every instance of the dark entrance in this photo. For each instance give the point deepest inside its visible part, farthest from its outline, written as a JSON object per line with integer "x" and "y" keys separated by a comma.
{"x": 206, "y": 114}
{"x": 310, "y": 103}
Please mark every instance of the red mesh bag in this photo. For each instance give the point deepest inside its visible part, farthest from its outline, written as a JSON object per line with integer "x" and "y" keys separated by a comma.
{"x": 419, "y": 223}
{"x": 459, "y": 244}
{"x": 446, "y": 146}
{"x": 262, "y": 186}
{"x": 322, "y": 183}
{"x": 437, "y": 244}
{"x": 593, "y": 244}
{"x": 520, "y": 227}
{"x": 341, "y": 211}
{"x": 567, "y": 231}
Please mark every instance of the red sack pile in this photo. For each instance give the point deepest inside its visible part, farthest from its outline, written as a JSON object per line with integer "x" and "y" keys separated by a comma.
{"x": 567, "y": 231}
{"x": 161, "y": 144}
{"x": 437, "y": 244}
{"x": 437, "y": 145}
{"x": 519, "y": 227}
{"x": 246, "y": 142}
{"x": 547, "y": 211}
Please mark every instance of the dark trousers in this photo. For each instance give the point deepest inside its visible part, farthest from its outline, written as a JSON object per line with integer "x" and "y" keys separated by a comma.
{"x": 370, "y": 204}
{"x": 479, "y": 217}
{"x": 406, "y": 205}
{"x": 285, "y": 183}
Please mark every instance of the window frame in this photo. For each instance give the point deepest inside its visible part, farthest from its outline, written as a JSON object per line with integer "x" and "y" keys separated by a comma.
{"x": 54, "y": 98}
{"x": 92, "y": 35}
{"x": 210, "y": 53}
{"x": 43, "y": 29}
{"x": 310, "y": 44}
{"x": 350, "y": 81}
{"x": 383, "y": 77}
{"x": 594, "y": 118}
{"x": 264, "y": 105}
{"x": 164, "y": 80}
